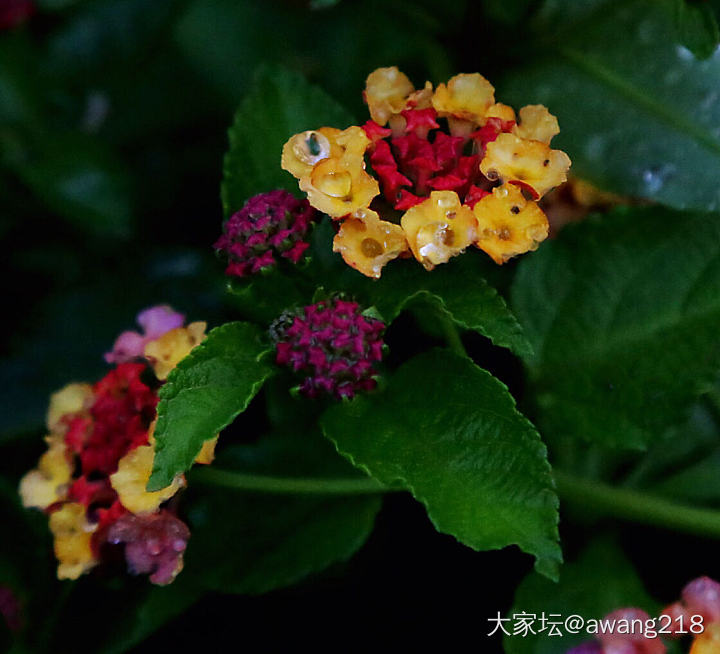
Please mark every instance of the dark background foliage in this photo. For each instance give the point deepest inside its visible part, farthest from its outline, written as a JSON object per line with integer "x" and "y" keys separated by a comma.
{"x": 113, "y": 120}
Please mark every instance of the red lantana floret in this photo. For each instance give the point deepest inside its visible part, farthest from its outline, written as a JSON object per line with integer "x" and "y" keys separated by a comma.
{"x": 269, "y": 225}
{"x": 423, "y": 157}
{"x": 333, "y": 344}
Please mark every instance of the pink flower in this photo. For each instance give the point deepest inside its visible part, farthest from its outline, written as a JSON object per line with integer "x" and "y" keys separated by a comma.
{"x": 154, "y": 544}
{"x": 155, "y": 322}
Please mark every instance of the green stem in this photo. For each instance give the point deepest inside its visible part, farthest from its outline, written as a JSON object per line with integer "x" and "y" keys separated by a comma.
{"x": 636, "y": 506}
{"x": 303, "y": 485}
{"x": 452, "y": 335}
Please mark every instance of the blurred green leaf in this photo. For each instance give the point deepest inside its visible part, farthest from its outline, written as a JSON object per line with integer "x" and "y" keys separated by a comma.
{"x": 20, "y": 89}
{"x": 203, "y": 395}
{"x": 226, "y": 40}
{"x": 81, "y": 179}
{"x": 622, "y": 311}
{"x": 280, "y": 104}
{"x": 449, "y": 432}
{"x": 641, "y": 118}
{"x": 247, "y": 542}
{"x": 697, "y": 27}
{"x": 101, "y": 34}
{"x": 600, "y": 581}
{"x": 143, "y": 617}
{"x": 323, "y": 4}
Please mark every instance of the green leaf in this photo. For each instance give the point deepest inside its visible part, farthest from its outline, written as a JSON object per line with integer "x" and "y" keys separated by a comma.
{"x": 280, "y": 104}
{"x": 600, "y": 581}
{"x": 457, "y": 289}
{"x": 697, "y": 27}
{"x": 204, "y": 394}
{"x": 246, "y": 542}
{"x": 640, "y": 118}
{"x": 622, "y": 312}
{"x": 450, "y": 433}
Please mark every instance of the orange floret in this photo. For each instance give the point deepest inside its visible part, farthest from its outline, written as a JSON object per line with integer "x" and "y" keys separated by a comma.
{"x": 439, "y": 228}
{"x": 502, "y": 111}
{"x": 132, "y": 476}
{"x": 466, "y": 96}
{"x": 173, "y": 346}
{"x": 367, "y": 243}
{"x": 537, "y": 123}
{"x": 303, "y": 151}
{"x": 508, "y": 224}
{"x": 73, "y": 535}
{"x": 69, "y": 399}
{"x": 531, "y": 164}
{"x": 340, "y": 185}
{"x": 707, "y": 642}
{"x": 387, "y": 91}
{"x": 49, "y": 482}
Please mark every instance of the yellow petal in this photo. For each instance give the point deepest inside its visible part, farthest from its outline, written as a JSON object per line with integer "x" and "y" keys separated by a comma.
{"x": 49, "y": 482}
{"x": 132, "y": 476}
{"x": 306, "y": 149}
{"x": 207, "y": 452}
{"x": 386, "y": 92}
{"x": 707, "y": 642}
{"x": 510, "y": 158}
{"x": 173, "y": 346}
{"x": 536, "y": 123}
{"x": 466, "y": 96}
{"x": 501, "y": 111}
{"x": 73, "y": 535}
{"x": 439, "y": 228}
{"x": 367, "y": 243}
{"x": 70, "y": 399}
{"x": 508, "y": 224}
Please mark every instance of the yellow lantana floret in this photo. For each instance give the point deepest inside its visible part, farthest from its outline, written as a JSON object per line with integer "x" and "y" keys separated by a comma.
{"x": 501, "y": 111}
{"x": 707, "y": 642}
{"x": 340, "y": 185}
{"x": 386, "y": 92}
{"x": 132, "y": 476}
{"x": 49, "y": 482}
{"x": 206, "y": 455}
{"x": 508, "y": 224}
{"x": 367, "y": 243}
{"x": 510, "y": 158}
{"x": 439, "y": 228}
{"x": 69, "y": 399}
{"x": 303, "y": 151}
{"x": 467, "y": 96}
{"x": 537, "y": 123}
{"x": 73, "y": 536}
{"x": 173, "y": 346}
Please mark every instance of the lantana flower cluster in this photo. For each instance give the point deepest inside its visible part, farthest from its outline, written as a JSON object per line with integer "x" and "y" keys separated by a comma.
{"x": 697, "y": 613}
{"x": 333, "y": 344}
{"x": 432, "y": 173}
{"x": 270, "y": 225}
{"x": 91, "y": 480}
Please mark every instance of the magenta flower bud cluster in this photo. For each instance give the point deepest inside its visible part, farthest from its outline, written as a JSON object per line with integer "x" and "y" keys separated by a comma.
{"x": 153, "y": 543}
{"x": 269, "y": 225}
{"x": 333, "y": 344}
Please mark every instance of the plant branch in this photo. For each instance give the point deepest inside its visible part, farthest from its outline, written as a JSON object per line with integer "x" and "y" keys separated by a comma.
{"x": 301, "y": 485}
{"x": 636, "y": 506}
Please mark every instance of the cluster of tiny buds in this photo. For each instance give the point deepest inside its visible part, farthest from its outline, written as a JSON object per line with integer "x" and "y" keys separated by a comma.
{"x": 269, "y": 225}
{"x": 333, "y": 344}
